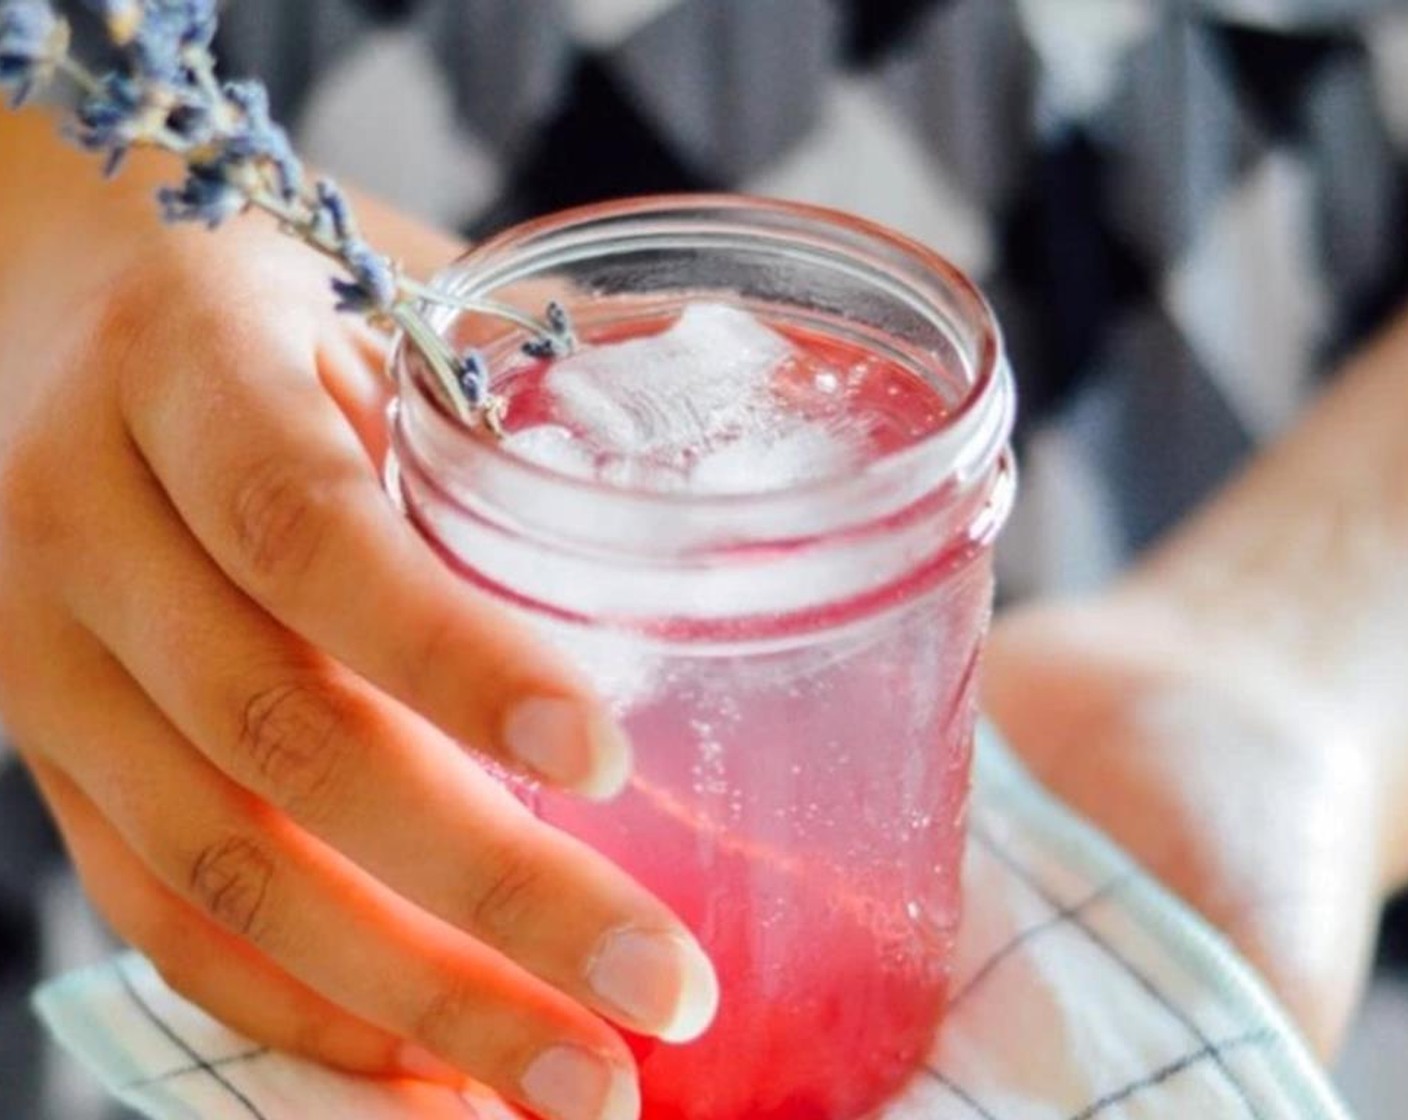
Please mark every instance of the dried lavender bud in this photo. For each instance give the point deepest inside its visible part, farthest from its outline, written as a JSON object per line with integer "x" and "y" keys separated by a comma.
{"x": 206, "y": 196}
{"x": 558, "y": 341}
{"x": 559, "y": 320}
{"x": 473, "y": 377}
{"x": 373, "y": 284}
{"x": 158, "y": 36}
{"x": 194, "y": 124}
{"x": 259, "y": 138}
{"x": 333, "y": 212}
{"x": 155, "y": 51}
{"x": 122, "y": 18}
{"x": 163, "y": 94}
{"x": 199, "y": 20}
{"x": 543, "y": 348}
{"x": 32, "y": 39}
{"x": 110, "y": 120}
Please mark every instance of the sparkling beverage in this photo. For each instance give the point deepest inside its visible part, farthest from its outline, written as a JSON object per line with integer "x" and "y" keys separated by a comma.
{"x": 829, "y": 998}
{"x": 765, "y": 535}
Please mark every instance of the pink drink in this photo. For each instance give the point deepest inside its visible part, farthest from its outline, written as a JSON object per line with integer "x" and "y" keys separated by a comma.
{"x": 794, "y": 653}
{"x": 831, "y": 953}
{"x": 832, "y": 962}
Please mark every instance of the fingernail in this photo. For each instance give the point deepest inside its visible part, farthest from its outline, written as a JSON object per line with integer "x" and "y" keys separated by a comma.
{"x": 425, "y": 1066}
{"x": 569, "y": 744}
{"x": 662, "y": 982}
{"x": 569, "y": 1083}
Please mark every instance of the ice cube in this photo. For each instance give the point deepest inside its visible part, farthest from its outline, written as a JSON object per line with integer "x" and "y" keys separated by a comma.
{"x": 558, "y": 449}
{"x": 718, "y": 403}
{"x": 748, "y": 464}
{"x": 668, "y": 397}
{"x": 554, "y": 447}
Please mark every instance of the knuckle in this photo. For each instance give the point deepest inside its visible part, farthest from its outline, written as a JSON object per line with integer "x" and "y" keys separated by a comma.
{"x": 441, "y": 1020}
{"x": 276, "y": 522}
{"x": 438, "y": 645}
{"x": 296, "y": 737}
{"x": 280, "y": 522}
{"x": 507, "y": 896}
{"x": 313, "y": 1036}
{"x": 230, "y": 880}
{"x": 120, "y": 333}
{"x": 31, "y": 520}
{"x": 215, "y": 323}
{"x": 120, "y": 321}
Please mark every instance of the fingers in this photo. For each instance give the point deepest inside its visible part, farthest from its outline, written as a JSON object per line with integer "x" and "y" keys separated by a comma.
{"x": 351, "y": 366}
{"x": 313, "y": 740}
{"x": 213, "y": 968}
{"x": 329, "y": 926}
{"x": 270, "y": 478}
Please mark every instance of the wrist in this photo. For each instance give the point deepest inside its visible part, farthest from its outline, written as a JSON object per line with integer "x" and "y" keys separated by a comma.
{"x": 1298, "y": 573}
{"x": 1259, "y": 641}
{"x": 1227, "y": 781}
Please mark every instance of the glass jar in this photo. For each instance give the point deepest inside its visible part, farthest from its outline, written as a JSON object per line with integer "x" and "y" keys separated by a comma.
{"x": 797, "y": 666}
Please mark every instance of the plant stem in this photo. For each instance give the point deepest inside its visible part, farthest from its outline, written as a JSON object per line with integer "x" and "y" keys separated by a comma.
{"x": 505, "y": 311}
{"x": 300, "y": 218}
{"x": 434, "y": 350}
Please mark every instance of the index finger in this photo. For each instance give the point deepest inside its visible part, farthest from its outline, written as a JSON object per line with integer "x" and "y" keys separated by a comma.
{"x": 270, "y": 477}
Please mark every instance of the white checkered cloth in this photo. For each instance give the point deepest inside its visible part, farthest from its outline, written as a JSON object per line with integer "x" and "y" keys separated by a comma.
{"x": 1082, "y": 990}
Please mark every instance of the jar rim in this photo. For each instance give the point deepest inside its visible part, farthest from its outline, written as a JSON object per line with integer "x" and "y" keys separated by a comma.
{"x": 966, "y": 446}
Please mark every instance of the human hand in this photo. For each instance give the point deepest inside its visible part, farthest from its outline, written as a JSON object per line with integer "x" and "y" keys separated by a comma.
{"x": 1228, "y": 781}
{"x": 241, "y": 681}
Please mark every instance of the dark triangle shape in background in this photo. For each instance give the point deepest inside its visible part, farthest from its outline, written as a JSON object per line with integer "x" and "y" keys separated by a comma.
{"x": 597, "y": 146}
{"x": 1067, "y": 269}
{"x": 1272, "y": 72}
{"x": 873, "y": 27}
{"x": 388, "y": 11}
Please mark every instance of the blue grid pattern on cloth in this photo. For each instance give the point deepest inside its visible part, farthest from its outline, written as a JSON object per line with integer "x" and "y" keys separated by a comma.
{"x": 1081, "y": 990}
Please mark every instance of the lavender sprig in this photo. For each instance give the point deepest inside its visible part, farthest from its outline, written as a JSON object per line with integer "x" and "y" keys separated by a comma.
{"x": 164, "y": 93}
{"x": 32, "y": 43}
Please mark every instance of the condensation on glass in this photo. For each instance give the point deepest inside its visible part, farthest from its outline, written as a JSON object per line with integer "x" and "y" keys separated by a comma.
{"x": 797, "y": 667}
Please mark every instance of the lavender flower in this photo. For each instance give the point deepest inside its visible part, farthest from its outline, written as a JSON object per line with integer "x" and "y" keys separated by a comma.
{"x": 373, "y": 287}
{"x": 159, "y": 37}
{"x": 473, "y": 376}
{"x": 122, "y": 17}
{"x": 558, "y": 340}
{"x": 32, "y": 41}
{"x": 333, "y": 214}
{"x": 206, "y": 196}
{"x": 260, "y": 139}
{"x": 110, "y": 119}
{"x": 542, "y": 348}
{"x": 163, "y": 93}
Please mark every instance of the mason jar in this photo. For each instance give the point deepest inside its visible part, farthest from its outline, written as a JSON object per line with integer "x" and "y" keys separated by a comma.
{"x": 796, "y": 662}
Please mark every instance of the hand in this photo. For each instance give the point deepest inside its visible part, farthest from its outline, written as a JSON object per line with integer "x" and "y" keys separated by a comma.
{"x": 241, "y": 683}
{"x": 1222, "y": 776}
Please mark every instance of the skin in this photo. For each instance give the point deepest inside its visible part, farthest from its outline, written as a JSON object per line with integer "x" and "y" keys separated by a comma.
{"x": 235, "y": 674}
{"x": 1233, "y": 711}
{"x": 276, "y": 675}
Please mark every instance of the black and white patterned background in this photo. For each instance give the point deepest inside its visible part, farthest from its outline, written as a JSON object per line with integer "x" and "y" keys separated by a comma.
{"x": 1184, "y": 219}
